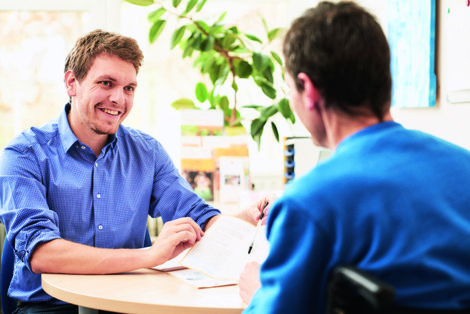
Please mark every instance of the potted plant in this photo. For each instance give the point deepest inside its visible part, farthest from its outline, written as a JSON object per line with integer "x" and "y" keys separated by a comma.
{"x": 225, "y": 56}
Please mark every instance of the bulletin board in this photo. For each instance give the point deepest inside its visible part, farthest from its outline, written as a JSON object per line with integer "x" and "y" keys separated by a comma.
{"x": 411, "y": 35}
{"x": 457, "y": 52}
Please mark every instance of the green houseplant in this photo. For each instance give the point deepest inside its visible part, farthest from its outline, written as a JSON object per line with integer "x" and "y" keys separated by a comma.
{"x": 225, "y": 56}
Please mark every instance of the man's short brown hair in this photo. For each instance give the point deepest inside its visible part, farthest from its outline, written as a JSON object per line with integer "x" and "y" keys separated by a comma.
{"x": 344, "y": 51}
{"x": 81, "y": 57}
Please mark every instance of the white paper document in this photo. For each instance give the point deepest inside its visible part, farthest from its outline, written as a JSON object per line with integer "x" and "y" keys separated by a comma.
{"x": 221, "y": 254}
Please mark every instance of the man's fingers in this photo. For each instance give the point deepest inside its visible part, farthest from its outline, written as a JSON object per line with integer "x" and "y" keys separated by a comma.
{"x": 185, "y": 223}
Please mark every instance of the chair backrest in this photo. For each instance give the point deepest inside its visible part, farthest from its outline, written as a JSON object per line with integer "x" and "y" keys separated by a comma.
{"x": 8, "y": 263}
{"x": 352, "y": 291}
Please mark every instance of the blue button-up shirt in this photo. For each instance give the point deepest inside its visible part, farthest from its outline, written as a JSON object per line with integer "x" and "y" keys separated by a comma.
{"x": 53, "y": 186}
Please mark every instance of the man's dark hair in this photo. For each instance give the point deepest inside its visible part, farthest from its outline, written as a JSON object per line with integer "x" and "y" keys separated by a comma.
{"x": 343, "y": 50}
{"x": 86, "y": 49}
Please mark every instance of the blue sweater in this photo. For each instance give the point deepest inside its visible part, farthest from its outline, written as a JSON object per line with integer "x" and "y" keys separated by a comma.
{"x": 391, "y": 201}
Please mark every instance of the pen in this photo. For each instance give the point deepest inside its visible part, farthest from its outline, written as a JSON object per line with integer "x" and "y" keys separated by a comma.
{"x": 257, "y": 228}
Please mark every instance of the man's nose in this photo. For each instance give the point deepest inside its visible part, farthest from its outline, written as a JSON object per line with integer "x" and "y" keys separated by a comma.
{"x": 117, "y": 96}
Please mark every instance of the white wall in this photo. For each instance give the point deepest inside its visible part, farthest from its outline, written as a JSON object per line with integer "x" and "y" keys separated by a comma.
{"x": 446, "y": 120}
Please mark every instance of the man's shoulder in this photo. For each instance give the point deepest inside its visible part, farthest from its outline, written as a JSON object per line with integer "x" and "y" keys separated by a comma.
{"x": 135, "y": 137}
{"x": 308, "y": 187}
{"x": 32, "y": 136}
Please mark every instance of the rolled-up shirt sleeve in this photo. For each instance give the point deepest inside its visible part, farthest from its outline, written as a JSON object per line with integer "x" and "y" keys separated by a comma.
{"x": 23, "y": 204}
{"x": 173, "y": 197}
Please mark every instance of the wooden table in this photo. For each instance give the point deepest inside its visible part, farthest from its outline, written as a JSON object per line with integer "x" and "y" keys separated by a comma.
{"x": 141, "y": 291}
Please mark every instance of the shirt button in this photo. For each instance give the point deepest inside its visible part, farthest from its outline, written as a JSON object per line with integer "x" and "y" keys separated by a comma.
{"x": 100, "y": 227}
{"x": 98, "y": 195}
{"x": 96, "y": 164}
{"x": 83, "y": 147}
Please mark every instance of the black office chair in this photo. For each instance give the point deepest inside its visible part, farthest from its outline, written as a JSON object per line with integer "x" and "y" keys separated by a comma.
{"x": 353, "y": 291}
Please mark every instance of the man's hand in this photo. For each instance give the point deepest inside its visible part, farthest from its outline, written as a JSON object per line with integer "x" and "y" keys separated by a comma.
{"x": 252, "y": 213}
{"x": 175, "y": 237}
{"x": 249, "y": 281}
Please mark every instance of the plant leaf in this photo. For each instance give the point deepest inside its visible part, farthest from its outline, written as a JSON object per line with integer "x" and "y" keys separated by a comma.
{"x": 202, "y": 25}
{"x": 292, "y": 117}
{"x": 212, "y": 99}
{"x": 275, "y": 33}
{"x": 268, "y": 73}
{"x": 257, "y": 107}
{"x": 264, "y": 23}
{"x": 224, "y": 70}
{"x": 142, "y": 3}
{"x": 260, "y": 61}
{"x": 268, "y": 112}
{"x": 224, "y": 106}
{"x": 242, "y": 68}
{"x": 284, "y": 108}
{"x": 195, "y": 41}
{"x": 235, "y": 86}
{"x": 257, "y": 126}
{"x": 277, "y": 58}
{"x": 176, "y": 3}
{"x": 234, "y": 29}
{"x": 275, "y": 131}
{"x": 221, "y": 17}
{"x": 217, "y": 31}
{"x": 200, "y": 5}
{"x": 256, "y": 130}
{"x": 156, "y": 15}
{"x": 228, "y": 39}
{"x": 218, "y": 72}
{"x": 208, "y": 43}
{"x": 156, "y": 30}
{"x": 207, "y": 65}
{"x": 177, "y": 36}
{"x": 183, "y": 103}
{"x": 253, "y": 38}
{"x": 201, "y": 92}
{"x": 188, "y": 51}
{"x": 268, "y": 90}
{"x": 190, "y": 6}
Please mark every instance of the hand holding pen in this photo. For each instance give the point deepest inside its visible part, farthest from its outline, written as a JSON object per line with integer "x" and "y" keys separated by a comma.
{"x": 258, "y": 225}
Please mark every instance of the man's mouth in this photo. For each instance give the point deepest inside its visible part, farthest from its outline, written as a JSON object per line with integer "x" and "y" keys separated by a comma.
{"x": 110, "y": 112}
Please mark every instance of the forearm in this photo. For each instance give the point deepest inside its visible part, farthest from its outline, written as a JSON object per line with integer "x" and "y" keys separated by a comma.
{"x": 62, "y": 256}
{"x": 246, "y": 215}
{"x": 210, "y": 222}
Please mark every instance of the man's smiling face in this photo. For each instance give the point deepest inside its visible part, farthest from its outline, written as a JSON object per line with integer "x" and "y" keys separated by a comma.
{"x": 104, "y": 98}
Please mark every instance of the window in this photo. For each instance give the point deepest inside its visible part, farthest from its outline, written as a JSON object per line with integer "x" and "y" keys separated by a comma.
{"x": 36, "y": 37}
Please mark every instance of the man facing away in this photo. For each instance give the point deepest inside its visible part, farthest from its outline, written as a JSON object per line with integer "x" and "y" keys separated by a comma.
{"x": 77, "y": 191}
{"x": 391, "y": 201}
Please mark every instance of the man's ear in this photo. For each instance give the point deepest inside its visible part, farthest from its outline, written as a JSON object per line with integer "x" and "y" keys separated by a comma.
{"x": 70, "y": 83}
{"x": 310, "y": 94}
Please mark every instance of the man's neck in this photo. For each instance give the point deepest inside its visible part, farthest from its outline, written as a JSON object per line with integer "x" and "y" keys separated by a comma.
{"x": 89, "y": 137}
{"x": 339, "y": 126}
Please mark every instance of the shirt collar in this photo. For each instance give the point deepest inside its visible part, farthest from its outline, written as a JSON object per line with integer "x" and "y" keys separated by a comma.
{"x": 67, "y": 136}
{"x": 373, "y": 129}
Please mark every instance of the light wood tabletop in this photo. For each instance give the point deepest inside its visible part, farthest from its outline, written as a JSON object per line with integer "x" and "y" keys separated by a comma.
{"x": 142, "y": 291}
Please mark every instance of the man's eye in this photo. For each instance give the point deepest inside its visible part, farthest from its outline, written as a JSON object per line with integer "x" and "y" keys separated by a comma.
{"x": 105, "y": 83}
{"x": 129, "y": 88}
